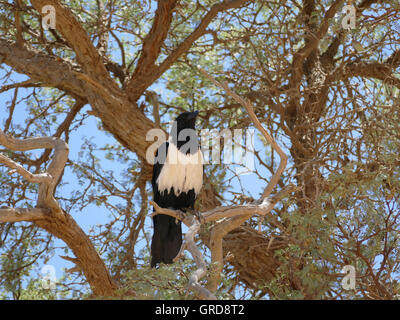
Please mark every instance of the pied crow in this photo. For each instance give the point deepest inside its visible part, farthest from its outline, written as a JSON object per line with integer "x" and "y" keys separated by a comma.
{"x": 176, "y": 181}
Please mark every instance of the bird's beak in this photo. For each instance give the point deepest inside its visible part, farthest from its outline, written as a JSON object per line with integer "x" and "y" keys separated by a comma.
{"x": 193, "y": 115}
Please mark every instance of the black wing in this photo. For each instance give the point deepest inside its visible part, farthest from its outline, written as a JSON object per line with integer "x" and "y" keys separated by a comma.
{"x": 159, "y": 160}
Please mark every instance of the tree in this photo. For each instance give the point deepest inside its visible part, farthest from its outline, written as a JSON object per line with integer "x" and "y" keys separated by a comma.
{"x": 327, "y": 95}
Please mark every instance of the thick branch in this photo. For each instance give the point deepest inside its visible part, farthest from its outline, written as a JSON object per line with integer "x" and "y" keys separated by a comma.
{"x": 153, "y": 41}
{"x": 86, "y": 54}
{"x": 49, "y": 215}
{"x": 138, "y": 85}
{"x": 40, "y": 67}
{"x": 22, "y": 214}
{"x": 120, "y": 117}
{"x": 383, "y": 71}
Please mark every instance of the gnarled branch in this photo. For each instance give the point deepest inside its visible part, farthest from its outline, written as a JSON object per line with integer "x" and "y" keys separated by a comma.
{"x": 49, "y": 215}
{"x": 22, "y": 214}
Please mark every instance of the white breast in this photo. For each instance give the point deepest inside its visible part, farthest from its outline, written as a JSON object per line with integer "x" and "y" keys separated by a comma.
{"x": 181, "y": 171}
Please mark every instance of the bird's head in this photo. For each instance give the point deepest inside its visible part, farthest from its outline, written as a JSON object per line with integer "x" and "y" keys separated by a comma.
{"x": 186, "y": 120}
{"x": 183, "y": 129}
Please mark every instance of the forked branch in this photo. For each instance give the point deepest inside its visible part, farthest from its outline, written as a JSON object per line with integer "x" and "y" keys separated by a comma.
{"x": 47, "y": 180}
{"x": 249, "y": 108}
{"x": 49, "y": 215}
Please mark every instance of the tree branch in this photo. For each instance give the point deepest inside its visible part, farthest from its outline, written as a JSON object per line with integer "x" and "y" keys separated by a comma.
{"x": 49, "y": 180}
{"x": 48, "y": 70}
{"x": 138, "y": 85}
{"x": 376, "y": 70}
{"x": 301, "y": 55}
{"x": 247, "y": 105}
{"x": 34, "y": 178}
{"x": 86, "y": 54}
{"x": 155, "y": 38}
{"x": 229, "y": 218}
{"x": 49, "y": 215}
{"x": 22, "y": 214}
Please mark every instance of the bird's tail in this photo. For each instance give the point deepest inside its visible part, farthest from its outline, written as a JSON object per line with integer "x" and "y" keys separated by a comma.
{"x": 167, "y": 239}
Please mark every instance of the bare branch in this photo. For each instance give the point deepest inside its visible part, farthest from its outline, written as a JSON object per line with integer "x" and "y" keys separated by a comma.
{"x": 34, "y": 178}
{"x": 54, "y": 171}
{"x": 247, "y": 105}
{"x": 201, "y": 271}
{"x": 49, "y": 214}
{"x": 22, "y": 214}
{"x": 138, "y": 85}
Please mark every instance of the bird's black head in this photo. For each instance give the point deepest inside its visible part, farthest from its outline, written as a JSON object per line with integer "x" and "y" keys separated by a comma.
{"x": 186, "y": 120}
{"x": 183, "y": 129}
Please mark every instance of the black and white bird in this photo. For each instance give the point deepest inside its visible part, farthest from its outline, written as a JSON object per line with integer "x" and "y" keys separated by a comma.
{"x": 177, "y": 180}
